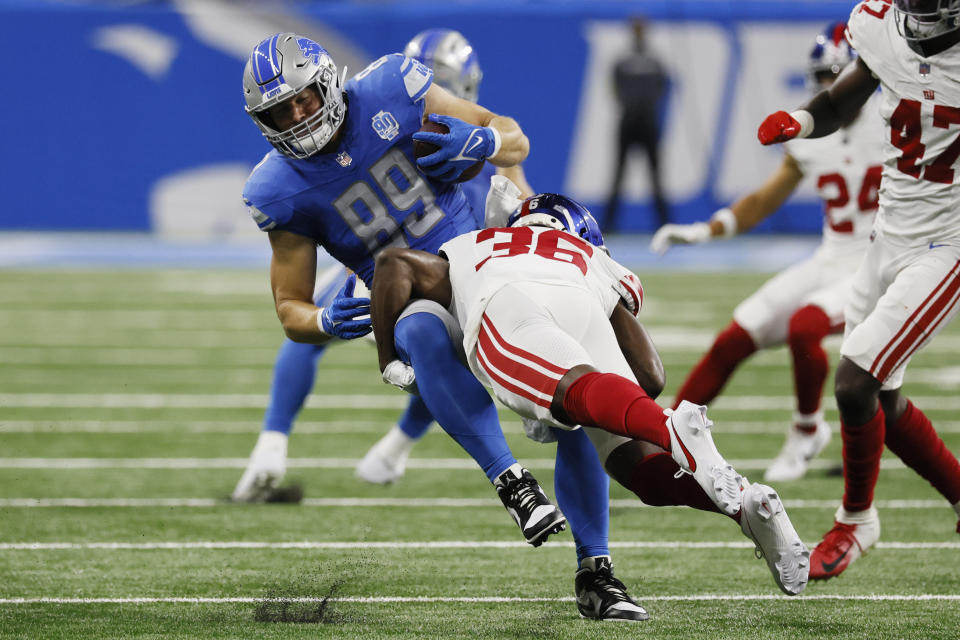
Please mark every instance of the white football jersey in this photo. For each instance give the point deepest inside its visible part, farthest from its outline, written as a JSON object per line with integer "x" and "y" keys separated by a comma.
{"x": 484, "y": 261}
{"x": 846, "y": 168}
{"x": 920, "y": 104}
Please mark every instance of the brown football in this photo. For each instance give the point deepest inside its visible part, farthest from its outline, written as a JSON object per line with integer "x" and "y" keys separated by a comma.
{"x": 421, "y": 149}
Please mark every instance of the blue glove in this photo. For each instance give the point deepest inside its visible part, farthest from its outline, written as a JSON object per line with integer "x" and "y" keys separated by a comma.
{"x": 340, "y": 319}
{"x": 461, "y": 147}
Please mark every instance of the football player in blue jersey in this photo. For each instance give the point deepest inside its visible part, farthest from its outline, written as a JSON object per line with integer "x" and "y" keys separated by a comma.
{"x": 456, "y": 68}
{"x": 343, "y": 175}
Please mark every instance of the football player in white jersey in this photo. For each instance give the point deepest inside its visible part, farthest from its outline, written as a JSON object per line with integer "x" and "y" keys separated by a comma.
{"x": 549, "y": 323}
{"x": 802, "y": 305}
{"x": 907, "y": 287}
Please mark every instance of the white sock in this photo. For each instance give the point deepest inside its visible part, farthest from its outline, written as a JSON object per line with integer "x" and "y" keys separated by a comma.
{"x": 856, "y": 517}
{"x": 272, "y": 440}
{"x": 396, "y": 444}
{"x": 807, "y": 419}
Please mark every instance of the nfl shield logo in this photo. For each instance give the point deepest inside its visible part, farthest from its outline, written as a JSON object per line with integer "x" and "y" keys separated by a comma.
{"x": 344, "y": 159}
{"x": 928, "y": 94}
{"x": 924, "y": 69}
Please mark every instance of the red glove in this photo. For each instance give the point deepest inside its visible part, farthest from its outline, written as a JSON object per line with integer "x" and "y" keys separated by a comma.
{"x": 778, "y": 127}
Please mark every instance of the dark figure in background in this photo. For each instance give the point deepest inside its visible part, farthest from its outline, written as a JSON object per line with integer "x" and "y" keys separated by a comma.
{"x": 641, "y": 84}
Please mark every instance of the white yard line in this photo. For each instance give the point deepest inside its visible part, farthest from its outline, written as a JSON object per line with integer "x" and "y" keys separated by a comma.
{"x": 427, "y": 545}
{"x": 946, "y": 402}
{"x": 323, "y": 426}
{"x": 741, "y": 597}
{"x": 331, "y": 463}
{"x": 469, "y": 503}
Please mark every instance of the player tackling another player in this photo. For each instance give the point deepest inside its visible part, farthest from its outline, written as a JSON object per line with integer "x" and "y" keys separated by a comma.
{"x": 549, "y": 323}
{"x": 908, "y": 285}
{"x": 343, "y": 175}
{"x": 802, "y": 305}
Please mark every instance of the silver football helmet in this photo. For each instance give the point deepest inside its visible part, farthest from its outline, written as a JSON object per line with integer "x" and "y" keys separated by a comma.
{"x": 453, "y": 60}
{"x": 279, "y": 68}
{"x": 920, "y": 20}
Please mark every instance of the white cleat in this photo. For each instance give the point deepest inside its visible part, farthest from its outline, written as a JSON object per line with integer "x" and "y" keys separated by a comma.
{"x": 266, "y": 469}
{"x": 691, "y": 446}
{"x": 797, "y": 452}
{"x": 764, "y": 520}
{"x": 386, "y": 461}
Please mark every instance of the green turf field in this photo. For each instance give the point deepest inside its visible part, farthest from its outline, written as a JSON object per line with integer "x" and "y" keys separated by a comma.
{"x": 130, "y": 399}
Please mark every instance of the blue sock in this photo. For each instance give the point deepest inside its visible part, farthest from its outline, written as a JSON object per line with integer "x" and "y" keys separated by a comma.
{"x": 457, "y": 400}
{"x": 583, "y": 492}
{"x": 416, "y": 419}
{"x": 293, "y": 375}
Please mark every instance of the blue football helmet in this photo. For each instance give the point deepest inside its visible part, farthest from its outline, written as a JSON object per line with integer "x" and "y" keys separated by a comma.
{"x": 279, "y": 68}
{"x": 558, "y": 212}
{"x": 830, "y": 54}
{"x": 919, "y": 20}
{"x": 453, "y": 60}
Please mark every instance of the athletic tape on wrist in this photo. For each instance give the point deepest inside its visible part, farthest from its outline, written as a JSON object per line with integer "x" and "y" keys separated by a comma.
{"x": 727, "y": 220}
{"x": 805, "y": 118}
{"x": 497, "y": 141}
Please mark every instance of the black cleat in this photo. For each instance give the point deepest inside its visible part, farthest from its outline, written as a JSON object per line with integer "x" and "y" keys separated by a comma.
{"x": 528, "y": 505}
{"x": 600, "y": 596}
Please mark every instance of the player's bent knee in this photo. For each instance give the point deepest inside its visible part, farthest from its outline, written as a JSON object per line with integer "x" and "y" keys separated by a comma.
{"x": 855, "y": 389}
{"x": 425, "y": 325}
{"x": 808, "y": 324}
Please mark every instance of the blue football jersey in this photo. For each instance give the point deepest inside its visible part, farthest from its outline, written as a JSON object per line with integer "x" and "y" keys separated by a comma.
{"x": 366, "y": 194}
{"x": 476, "y": 192}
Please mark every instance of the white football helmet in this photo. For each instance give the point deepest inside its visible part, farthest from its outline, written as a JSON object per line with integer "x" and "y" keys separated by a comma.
{"x": 279, "y": 68}
{"x": 453, "y": 60}
{"x": 921, "y": 20}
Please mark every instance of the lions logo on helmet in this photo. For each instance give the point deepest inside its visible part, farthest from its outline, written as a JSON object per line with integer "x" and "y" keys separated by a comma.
{"x": 279, "y": 68}
{"x": 558, "y": 212}
{"x": 830, "y": 54}
{"x": 453, "y": 60}
{"x": 920, "y": 20}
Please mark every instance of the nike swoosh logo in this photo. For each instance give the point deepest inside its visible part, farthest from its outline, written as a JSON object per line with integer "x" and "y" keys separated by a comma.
{"x": 934, "y": 245}
{"x": 686, "y": 452}
{"x": 829, "y": 567}
{"x": 474, "y": 145}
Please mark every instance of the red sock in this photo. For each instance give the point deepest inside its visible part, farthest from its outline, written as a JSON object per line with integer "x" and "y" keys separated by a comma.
{"x": 914, "y": 440}
{"x": 702, "y": 385}
{"x": 617, "y": 405}
{"x": 862, "y": 448}
{"x": 654, "y": 483}
{"x": 808, "y": 327}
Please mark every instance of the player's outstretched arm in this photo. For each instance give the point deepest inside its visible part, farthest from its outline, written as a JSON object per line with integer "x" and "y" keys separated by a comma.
{"x": 512, "y": 147}
{"x": 401, "y": 275}
{"x": 639, "y": 350}
{"x": 292, "y": 275}
{"x": 825, "y": 112}
{"x": 745, "y": 213}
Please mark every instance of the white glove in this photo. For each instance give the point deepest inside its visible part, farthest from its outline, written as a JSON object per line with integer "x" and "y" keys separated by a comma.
{"x": 503, "y": 198}
{"x": 401, "y": 375}
{"x": 671, "y": 234}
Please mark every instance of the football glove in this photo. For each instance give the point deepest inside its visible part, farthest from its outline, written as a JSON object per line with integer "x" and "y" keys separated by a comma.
{"x": 400, "y": 375}
{"x": 778, "y": 127}
{"x": 342, "y": 318}
{"x": 503, "y": 198}
{"x": 671, "y": 234}
{"x": 462, "y": 146}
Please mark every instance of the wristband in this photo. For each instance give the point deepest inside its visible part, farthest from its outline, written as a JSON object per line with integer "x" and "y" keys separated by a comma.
{"x": 727, "y": 220}
{"x": 805, "y": 118}
{"x": 497, "y": 141}
{"x": 320, "y": 322}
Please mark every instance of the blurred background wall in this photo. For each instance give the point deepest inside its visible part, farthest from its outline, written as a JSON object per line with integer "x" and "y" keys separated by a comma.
{"x": 128, "y": 116}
